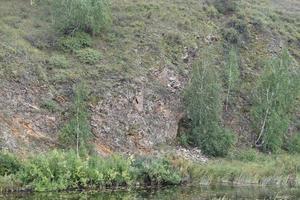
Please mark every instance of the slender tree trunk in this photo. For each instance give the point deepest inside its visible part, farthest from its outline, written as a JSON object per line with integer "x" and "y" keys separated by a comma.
{"x": 77, "y": 134}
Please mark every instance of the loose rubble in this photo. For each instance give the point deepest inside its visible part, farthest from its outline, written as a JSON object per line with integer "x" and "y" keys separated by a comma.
{"x": 193, "y": 154}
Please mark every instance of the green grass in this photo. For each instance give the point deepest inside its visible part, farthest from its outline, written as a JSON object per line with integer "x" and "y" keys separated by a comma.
{"x": 256, "y": 169}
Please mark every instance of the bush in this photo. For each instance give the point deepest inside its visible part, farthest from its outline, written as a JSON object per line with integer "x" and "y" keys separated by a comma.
{"x": 75, "y": 42}
{"x": 59, "y": 170}
{"x": 231, "y": 35}
{"x": 203, "y": 102}
{"x": 88, "y": 56}
{"x": 215, "y": 142}
{"x": 273, "y": 100}
{"x": 156, "y": 171}
{"x": 90, "y": 16}
{"x": 293, "y": 144}
{"x": 211, "y": 11}
{"x": 59, "y": 61}
{"x": 238, "y": 24}
{"x": 9, "y": 164}
{"x": 184, "y": 139}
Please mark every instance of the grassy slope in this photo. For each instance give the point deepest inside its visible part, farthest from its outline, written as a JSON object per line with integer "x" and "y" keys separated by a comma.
{"x": 145, "y": 36}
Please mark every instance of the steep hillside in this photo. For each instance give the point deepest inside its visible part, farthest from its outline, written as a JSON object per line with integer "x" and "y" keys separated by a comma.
{"x": 135, "y": 100}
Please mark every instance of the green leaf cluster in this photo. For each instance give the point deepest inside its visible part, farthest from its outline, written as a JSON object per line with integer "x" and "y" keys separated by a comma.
{"x": 273, "y": 100}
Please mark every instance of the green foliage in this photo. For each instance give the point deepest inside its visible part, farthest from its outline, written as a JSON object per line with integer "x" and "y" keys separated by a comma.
{"x": 88, "y": 56}
{"x": 77, "y": 131}
{"x": 231, "y": 35}
{"x": 59, "y": 61}
{"x": 238, "y": 24}
{"x": 77, "y": 41}
{"x": 232, "y": 74}
{"x": 9, "y": 164}
{"x": 203, "y": 102}
{"x": 213, "y": 141}
{"x": 91, "y": 16}
{"x": 274, "y": 98}
{"x": 59, "y": 170}
{"x": 184, "y": 139}
{"x": 156, "y": 171}
{"x": 293, "y": 144}
{"x": 211, "y": 11}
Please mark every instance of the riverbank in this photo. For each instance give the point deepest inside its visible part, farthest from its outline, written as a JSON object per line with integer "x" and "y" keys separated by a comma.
{"x": 250, "y": 168}
{"x": 63, "y": 171}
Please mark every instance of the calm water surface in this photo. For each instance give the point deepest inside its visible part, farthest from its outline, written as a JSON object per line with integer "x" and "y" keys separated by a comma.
{"x": 171, "y": 193}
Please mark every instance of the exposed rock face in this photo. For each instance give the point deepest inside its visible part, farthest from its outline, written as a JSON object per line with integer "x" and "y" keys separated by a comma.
{"x": 138, "y": 114}
{"x": 132, "y": 115}
{"x": 23, "y": 125}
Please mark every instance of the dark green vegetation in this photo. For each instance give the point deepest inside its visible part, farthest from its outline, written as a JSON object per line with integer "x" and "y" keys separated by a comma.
{"x": 243, "y": 90}
{"x": 275, "y": 92}
{"x": 204, "y": 107}
{"x": 9, "y": 164}
{"x": 58, "y": 170}
{"x": 274, "y": 101}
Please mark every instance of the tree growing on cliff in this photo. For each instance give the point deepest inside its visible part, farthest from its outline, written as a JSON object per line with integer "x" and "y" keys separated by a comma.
{"x": 204, "y": 106}
{"x": 77, "y": 130}
{"x": 273, "y": 100}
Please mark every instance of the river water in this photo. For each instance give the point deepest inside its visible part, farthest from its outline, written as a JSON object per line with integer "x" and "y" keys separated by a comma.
{"x": 170, "y": 193}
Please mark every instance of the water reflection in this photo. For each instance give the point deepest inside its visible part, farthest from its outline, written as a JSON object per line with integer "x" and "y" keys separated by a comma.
{"x": 171, "y": 193}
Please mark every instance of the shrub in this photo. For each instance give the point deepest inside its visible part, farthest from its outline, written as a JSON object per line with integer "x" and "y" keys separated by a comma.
{"x": 213, "y": 142}
{"x": 69, "y": 16}
{"x": 273, "y": 100}
{"x": 75, "y": 42}
{"x": 211, "y": 11}
{"x": 293, "y": 144}
{"x": 184, "y": 139}
{"x": 88, "y": 56}
{"x": 238, "y": 24}
{"x": 57, "y": 170}
{"x": 9, "y": 164}
{"x": 203, "y": 102}
{"x": 231, "y": 35}
{"x": 156, "y": 171}
{"x": 59, "y": 61}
